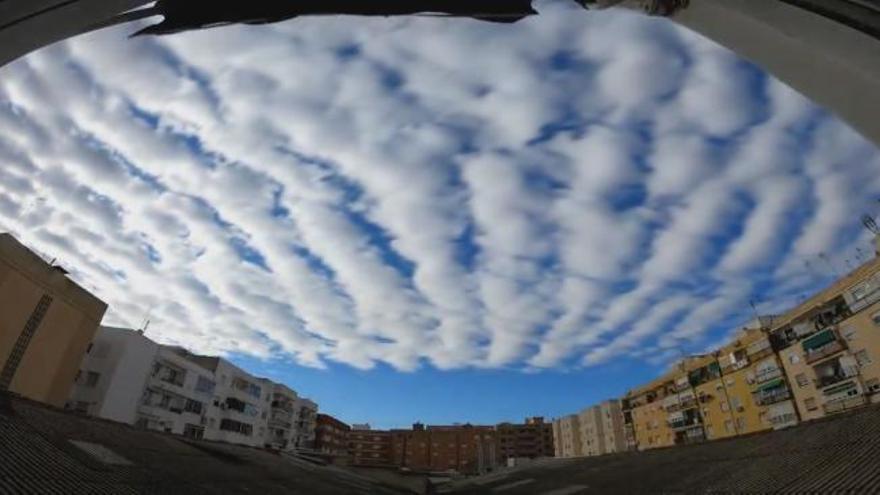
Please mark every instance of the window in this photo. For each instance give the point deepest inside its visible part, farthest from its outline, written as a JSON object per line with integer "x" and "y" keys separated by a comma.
{"x": 793, "y": 358}
{"x": 236, "y": 427}
{"x": 876, "y": 318}
{"x": 873, "y": 385}
{"x": 92, "y": 379}
{"x": 193, "y": 406}
{"x": 728, "y": 426}
{"x": 730, "y": 382}
{"x": 863, "y": 358}
{"x": 810, "y": 404}
{"x": 724, "y": 406}
{"x": 205, "y": 385}
{"x": 802, "y": 380}
{"x": 735, "y": 403}
{"x": 741, "y": 424}
{"x": 193, "y": 431}
{"x": 849, "y": 333}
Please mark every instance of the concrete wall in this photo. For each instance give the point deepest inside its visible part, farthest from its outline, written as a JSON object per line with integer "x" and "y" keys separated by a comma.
{"x": 832, "y": 64}
{"x": 123, "y": 359}
{"x": 51, "y": 360}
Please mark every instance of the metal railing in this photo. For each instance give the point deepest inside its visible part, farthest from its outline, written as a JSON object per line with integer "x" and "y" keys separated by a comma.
{"x": 767, "y": 375}
{"x": 844, "y": 404}
{"x": 826, "y": 350}
{"x": 765, "y": 398}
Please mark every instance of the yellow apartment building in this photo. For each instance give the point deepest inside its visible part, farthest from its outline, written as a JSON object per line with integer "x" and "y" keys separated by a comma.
{"x": 830, "y": 345}
{"x": 646, "y": 416}
{"x": 46, "y": 324}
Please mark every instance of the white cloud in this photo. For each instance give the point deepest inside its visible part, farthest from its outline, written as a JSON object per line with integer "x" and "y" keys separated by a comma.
{"x": 564, "y": 191}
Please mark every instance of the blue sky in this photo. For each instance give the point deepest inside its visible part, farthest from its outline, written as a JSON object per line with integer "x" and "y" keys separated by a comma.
{"x": 428, "y": 219}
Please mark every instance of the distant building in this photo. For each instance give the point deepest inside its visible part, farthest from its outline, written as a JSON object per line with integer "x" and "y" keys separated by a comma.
{"x": 331, "y": 435}
{"x": 46, "y": 324}
{"x": 567, "y": 436}
{"x": 360, "y": 426}
{"x": 466, "y": 449}
{"x": 371, "y": 448}
{"x": 601, "y": 429}
{"x": 127, "y": 377}
{"x": 532, "y": 439}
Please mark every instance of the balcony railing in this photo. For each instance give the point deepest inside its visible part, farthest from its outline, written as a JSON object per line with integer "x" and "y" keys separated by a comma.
{"x": 825, "y": 381}
{"x": 844, "y": 404}
{"x": 869, "y": 299}
{"x": 767, "y": 374}
{"x": 826, "y": 350}
{"x": 772, "y": 396}
{"x": 685, "y": 423}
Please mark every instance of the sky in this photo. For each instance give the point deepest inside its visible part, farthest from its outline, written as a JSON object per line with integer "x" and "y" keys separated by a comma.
{"x": 428, "y": 219}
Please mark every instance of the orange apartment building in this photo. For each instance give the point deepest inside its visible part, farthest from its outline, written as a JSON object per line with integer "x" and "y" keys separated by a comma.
{"x": 465, "y": 448}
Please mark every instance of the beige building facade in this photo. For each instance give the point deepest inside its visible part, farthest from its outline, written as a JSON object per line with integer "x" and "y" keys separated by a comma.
{"x": 567, "y": 436}
{"x": 830, "y": 345}
{"x": 46, "y": 324}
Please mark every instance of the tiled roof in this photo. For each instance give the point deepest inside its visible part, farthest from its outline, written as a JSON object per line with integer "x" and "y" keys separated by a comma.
{"x": 837, "y": 454}
{"x": 44, "y": 450}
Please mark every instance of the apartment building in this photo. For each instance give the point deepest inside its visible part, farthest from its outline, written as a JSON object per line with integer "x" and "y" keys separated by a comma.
{"x": 372, "y": 448}
{"x": 331, "y": 435}
{"x": 649, "y": 415}
{"x": 124, "y": 376}
{"x": 567, "y": 436}
{"x": 467, "y": 449}
{"x": 283, "y": 418}
{"x": 307, "y": 417}
{"x": 46, "y": 325}
{"x": 830, "y": 345}
{"x": 531, "y": 439}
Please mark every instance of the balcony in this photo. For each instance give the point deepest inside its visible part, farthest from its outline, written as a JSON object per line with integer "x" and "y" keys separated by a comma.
{"x": 771, "y": 392}
{"x": 767, "y": 375}
{"x": 842, "y": 405}
{"x": 826, "y": 381}
{"x": 683, "y": 423}
{"x": 865, "y": 301}
{"x": 821, "y": 344}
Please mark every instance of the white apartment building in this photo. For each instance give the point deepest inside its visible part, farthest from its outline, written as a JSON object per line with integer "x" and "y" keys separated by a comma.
{"x": 127, "y": 377}
{"x": 307, "y": 419}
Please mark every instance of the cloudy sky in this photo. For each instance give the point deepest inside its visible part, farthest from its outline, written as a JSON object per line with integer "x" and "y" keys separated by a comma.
{"x": 396, "y": 216}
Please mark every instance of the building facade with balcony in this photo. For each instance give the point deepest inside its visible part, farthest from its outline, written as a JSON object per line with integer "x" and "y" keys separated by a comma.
{"x": 282, "y": 421}
{"x": 649, "y": 413}
{"x": 530, "y": 439}
{"x": 331, "y": 435}
{"x": 306, "y": 422}
{"x": 124, "y": 376}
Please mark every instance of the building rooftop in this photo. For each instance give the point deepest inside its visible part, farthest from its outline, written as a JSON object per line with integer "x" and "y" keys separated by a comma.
{"x": 836, "y": 454}
{"x": 48, "y": 450}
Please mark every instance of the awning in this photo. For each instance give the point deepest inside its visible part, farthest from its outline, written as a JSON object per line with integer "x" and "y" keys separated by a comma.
{"x": 777, "y": 382}
{"x": 818, "y": 340}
